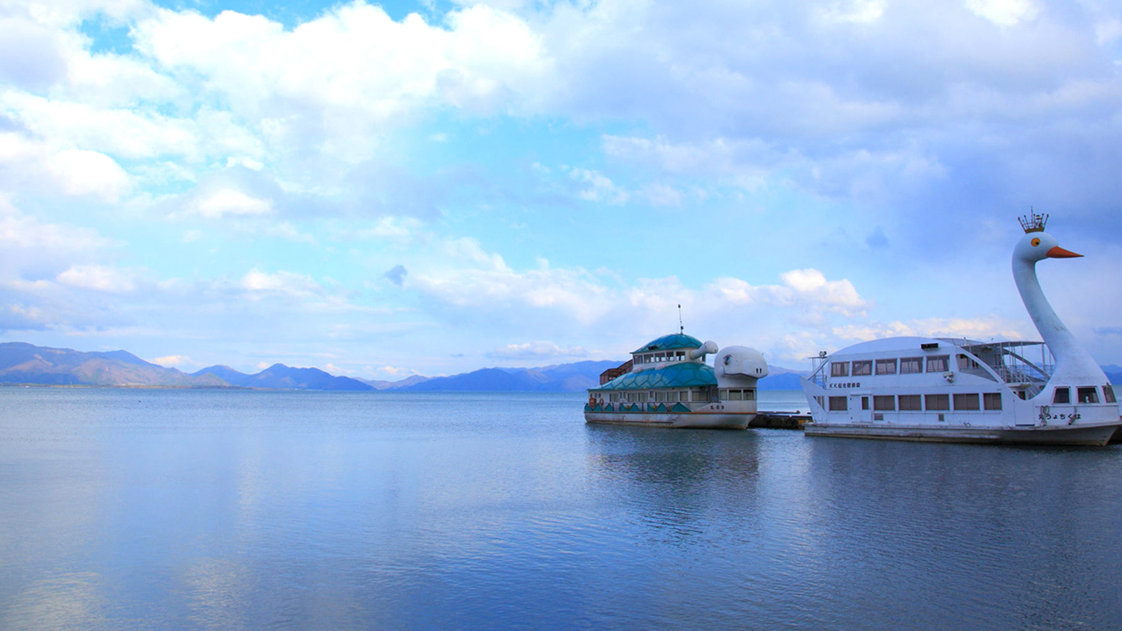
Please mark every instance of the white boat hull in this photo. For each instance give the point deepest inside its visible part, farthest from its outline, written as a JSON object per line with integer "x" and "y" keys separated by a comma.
{"x": 681, "y": 420}
{"x": 1031, "y": 435}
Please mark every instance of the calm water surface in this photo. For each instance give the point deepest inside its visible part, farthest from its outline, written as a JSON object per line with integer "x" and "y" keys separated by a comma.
{"x": 138, "y": 509}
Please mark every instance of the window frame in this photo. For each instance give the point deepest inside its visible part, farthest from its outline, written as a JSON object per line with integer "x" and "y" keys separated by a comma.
{"x": 886, "y": 363}
{"x": 884, "y": 403}
{"x": 908, "y": 361}
{"x": 918, "y": 398}
{"x": 972, "y": 402}
{"x": 943, "y": 402}
{"x": 944, "y": 359}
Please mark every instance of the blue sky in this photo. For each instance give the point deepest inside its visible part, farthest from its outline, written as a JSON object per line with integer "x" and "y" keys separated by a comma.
{"x": 434, "y": 187}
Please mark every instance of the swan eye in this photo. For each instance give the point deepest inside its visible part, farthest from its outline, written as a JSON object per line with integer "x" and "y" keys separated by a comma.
{"x": 1035, "y": 242}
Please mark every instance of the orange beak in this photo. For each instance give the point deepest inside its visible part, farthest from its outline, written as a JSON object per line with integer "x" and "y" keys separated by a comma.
{"x": 1060, "y": 253}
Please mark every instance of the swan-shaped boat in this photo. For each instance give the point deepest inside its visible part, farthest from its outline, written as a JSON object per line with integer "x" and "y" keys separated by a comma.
{"x": 668, "y": 384}
{"x": 941, "y": 389}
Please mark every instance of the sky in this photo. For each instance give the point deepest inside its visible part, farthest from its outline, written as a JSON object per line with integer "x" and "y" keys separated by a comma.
{"x": 382, "y": 190}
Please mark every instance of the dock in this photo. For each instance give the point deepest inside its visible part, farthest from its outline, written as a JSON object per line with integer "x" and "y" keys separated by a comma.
{"x": 780, "y": 420}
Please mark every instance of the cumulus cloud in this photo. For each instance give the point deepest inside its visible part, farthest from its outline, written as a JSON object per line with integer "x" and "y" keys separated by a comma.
{"x": 100, "y": 278}
{"x": 31, "y": 165}
{"x": 173, "y": 361}
{"x": 868, "y": 113}
{"x": 491, "y": 286}
{"x": 1004, "y": 12}
{"x": 537, "y": 350}
{"x": 986, "y": 328}
{"x": 227, "y": 202}
{"x": 807, "y": 287}
{"x": 289, "y": 284}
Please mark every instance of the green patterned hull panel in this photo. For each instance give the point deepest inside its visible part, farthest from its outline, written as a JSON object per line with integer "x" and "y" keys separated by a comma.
{"x": 678, "y": 375}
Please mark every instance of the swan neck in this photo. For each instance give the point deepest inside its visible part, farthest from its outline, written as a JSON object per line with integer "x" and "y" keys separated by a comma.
{"x": 1072, "y": 361}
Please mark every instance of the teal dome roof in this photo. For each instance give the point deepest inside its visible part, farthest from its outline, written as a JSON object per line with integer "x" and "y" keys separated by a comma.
{"x": 677, "y": 375}
{"x": 667, "y": 342}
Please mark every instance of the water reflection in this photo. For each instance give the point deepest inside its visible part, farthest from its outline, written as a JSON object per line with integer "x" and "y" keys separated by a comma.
{"x": 678, "y": 482}
{"x": 250, "y": 510}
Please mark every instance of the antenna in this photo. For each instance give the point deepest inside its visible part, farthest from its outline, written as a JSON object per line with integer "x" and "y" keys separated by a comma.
{"x": 681, "y": 327}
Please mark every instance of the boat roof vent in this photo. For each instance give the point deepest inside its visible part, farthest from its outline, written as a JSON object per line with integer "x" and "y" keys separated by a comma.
{"x": 929, "y": 346}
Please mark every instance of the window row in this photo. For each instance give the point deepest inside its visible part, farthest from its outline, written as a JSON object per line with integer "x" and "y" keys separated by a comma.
{"x": 659, "y": 396}
{"x": 691, "y": 394}
{"x": 748, "y": 394}
{"x": 963, "y": 402}
{"x": 658, "y": 358}
{"x": 903, "y": 366}
{"x": 1084, "y": 394}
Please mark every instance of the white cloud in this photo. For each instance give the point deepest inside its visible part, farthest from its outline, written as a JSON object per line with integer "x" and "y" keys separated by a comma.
{"x": 1004, "y": 12}
{"x": 537, "y": 350}
{"x": 353, "y": 61}
{"x": 984, "y": 329}
{"x": 99, "y": 278}
{"x": 806, "y": 287}
{"x": 229, "y": 202}
{"x": 173, "y": 361}
{"x": 597, "y": 187}
{"x": 397, "y": 371}
{"x": 282, "y": 283}
{"x": 50, "y": 170}
{"x": 495, "y": 286}
{"x": 123, "y": 132}
{"x": 855, "y": 11}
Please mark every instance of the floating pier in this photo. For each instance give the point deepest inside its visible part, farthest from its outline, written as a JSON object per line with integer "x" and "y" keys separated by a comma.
{"x": 780, "y": 420}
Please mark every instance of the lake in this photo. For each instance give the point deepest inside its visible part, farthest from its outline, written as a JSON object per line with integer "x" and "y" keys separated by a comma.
{"x": 198, "y": 509}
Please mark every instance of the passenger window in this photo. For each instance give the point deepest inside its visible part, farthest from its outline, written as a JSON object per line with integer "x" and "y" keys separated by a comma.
{"x": 1108, "y": 394}
{"x": 937, "y": 364}
{"x": 966, "y": 402}
{"x": 991, "y": 400}
{"x": 911, "y": 365}
{"x": 864, "y": 403}
{"x": 937, "y": 401}
{"x": 861, "y": 369}
{"x": 1088, "y": 395}
{"x": 839, "y": 369}
{"x": 838, "y": 404}
{"x": 884, "y": 403}
{"x": 736, "y": 395}
{"x": 910, "y": 402}
{"x": 1062, "y": 396}
{"x": 886, "y": 366}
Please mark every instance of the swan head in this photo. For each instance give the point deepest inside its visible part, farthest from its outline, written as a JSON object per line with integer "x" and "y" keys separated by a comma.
{"x": 1037, "y": 246}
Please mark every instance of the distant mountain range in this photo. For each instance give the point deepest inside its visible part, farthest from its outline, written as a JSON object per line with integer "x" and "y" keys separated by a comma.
{"x": 26, "y": 363}
{"x": 564, "y": 378}
{"x": 22, "y": 363}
